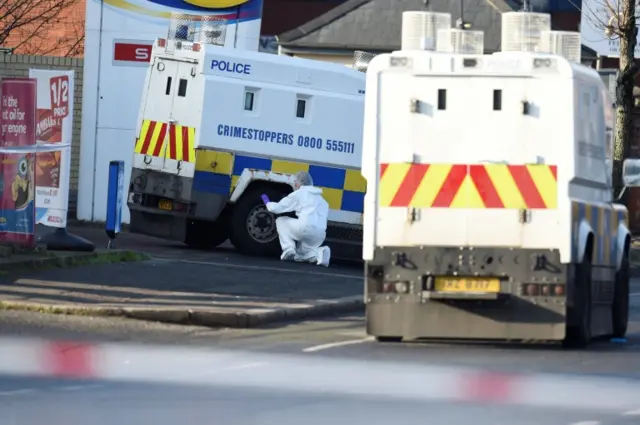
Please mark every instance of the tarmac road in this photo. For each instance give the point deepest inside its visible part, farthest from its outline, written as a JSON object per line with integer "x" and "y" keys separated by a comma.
{"x": 58, "y": 402}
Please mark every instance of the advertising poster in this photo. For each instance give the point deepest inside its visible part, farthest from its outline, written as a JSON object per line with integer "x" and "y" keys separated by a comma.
{"x": 54, "y": 125}
{"x": 17, "y": 133}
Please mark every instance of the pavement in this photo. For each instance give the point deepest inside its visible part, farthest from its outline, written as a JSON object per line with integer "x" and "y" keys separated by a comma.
{"x": 180, "y": 285}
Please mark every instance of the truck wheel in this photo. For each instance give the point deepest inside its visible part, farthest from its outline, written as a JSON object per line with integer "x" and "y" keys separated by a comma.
{"x": 578, "y": 318}
{"x": 205, "y": 234}
{"x": 620, "y": 307}
{"x": 253, "y": 228}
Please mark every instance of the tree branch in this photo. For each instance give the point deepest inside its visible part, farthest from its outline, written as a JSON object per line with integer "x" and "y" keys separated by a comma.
{"x": 32, "y": 26}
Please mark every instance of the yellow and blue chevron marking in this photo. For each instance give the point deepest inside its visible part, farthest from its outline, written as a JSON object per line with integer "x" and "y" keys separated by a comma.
{"x": 218, "y": 172}
{"x": 604, "y": 221}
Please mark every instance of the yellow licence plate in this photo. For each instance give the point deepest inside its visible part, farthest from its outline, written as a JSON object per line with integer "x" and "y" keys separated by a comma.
{"x": 467, "y": 284}
{"x": 165, "y": 205}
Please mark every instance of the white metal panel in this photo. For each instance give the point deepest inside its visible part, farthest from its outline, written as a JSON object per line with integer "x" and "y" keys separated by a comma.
{"x": 370, "y": 154}
{"x": 185, "y": 110}
{"x": 549, "y": 141}
{"x": 471, "y": 132}
{"x": 395, "y": 135}
{"x": 282, "y": 70}
{"x": 157, "y": 105}
{"x": 397, "y": 132}
{"x": 272, "y": 129}
{"x": 159, "y": 101}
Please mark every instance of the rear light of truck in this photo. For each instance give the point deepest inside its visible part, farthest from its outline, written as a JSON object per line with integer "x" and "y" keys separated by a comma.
{"x": 543, "y": 290}
{"x": 180, "y": 206}
{"x": 376, "y": 283}
{"x": 395, "y": 287}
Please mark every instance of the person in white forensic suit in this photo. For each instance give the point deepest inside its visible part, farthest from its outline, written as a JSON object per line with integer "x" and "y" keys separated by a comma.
{"x": 301, "y": 238}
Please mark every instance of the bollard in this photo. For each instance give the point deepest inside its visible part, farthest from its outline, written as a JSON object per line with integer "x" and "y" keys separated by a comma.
{"x": 115, "y": 195}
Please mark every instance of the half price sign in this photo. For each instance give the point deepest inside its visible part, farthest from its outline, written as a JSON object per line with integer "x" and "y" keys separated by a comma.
{"x": 59, "y": 90}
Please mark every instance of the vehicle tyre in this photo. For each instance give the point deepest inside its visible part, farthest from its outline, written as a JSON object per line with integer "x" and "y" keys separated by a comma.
{"x": 389, "y": 338}
{"x": 578, "y": 318}
{"x": 620, "y": 307}
{"x": 205, "y": 234}
{"x": 253, "y": 228}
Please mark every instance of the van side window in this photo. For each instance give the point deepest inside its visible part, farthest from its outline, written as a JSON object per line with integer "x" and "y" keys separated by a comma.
{"x": 182, "y": 87}
{"x": 301, "y": 108}
{"x": 248, "y": 100}
{"x": 168, "y": 89}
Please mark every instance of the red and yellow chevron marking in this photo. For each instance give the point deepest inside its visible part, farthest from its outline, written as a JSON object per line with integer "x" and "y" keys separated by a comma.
{"x": 468, "y": 186}
{"x": 151, "y": 139}
{"x": 181, "y": 140}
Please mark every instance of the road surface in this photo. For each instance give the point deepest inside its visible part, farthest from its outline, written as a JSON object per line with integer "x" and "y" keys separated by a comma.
{"x": 45, "y": 402}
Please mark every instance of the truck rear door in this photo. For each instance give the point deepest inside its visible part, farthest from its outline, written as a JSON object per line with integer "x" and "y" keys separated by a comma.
{"x": 157, "y": 108}
{"x": 472, "y": 175}
{"x": 186, "y": 109}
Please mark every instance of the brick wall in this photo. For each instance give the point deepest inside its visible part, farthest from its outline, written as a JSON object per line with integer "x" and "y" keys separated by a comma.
{"x": 19, "y": 65}
{"x": 62, "y": 35}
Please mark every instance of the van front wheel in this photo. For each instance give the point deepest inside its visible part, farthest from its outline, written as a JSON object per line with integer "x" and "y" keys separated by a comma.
{"x": 253, "y": 228}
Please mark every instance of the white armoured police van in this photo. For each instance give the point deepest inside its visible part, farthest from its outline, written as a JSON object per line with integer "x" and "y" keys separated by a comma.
{"x": 489, "y": 213}
{"x": 218, "y": 127}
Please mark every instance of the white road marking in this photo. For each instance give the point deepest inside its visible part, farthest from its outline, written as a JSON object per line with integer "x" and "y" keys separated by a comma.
{"x": 632, "y": 413}
{"x": 261, "y": 268}
{"x": 586, "y": 423}
{"x": 336, "y": 344}
{"x": 636, "y": 294}
{"x": 17, "y": 392}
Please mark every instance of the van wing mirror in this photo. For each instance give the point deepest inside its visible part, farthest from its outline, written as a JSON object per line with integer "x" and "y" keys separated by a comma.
{"x": 631, "y": 172}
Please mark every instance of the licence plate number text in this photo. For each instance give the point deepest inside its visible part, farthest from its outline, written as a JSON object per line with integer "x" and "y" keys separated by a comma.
{"x": 165, "y": 205}
{"x": 450, "y": 284}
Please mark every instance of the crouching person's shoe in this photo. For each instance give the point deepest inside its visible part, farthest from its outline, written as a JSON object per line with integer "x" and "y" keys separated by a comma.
{"x": 287, "y": 255}
{"x": 324, "y": 256}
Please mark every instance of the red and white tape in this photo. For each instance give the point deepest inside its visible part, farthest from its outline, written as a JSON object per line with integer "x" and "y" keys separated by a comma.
{"x": 162, "y": 364}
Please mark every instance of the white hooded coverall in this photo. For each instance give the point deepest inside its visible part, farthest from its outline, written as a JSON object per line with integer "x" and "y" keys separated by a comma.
{"x": 309, "y": 229}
